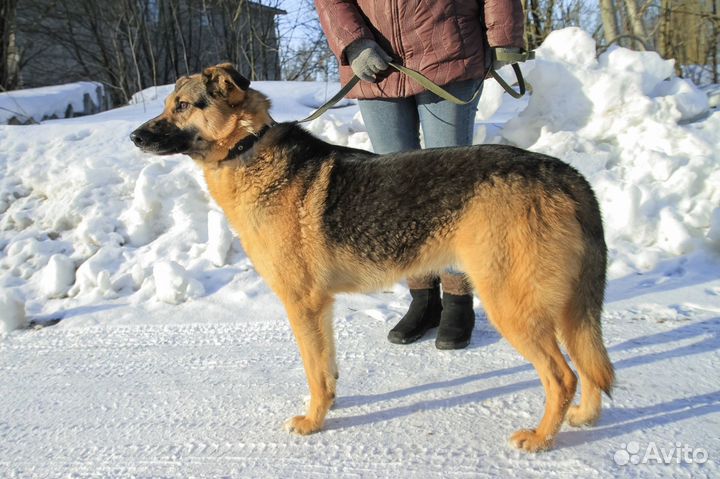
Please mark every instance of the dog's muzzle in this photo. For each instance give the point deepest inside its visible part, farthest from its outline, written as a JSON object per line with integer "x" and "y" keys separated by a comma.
{"x": 162, "y": 137}
{"x": 140, "y": 137}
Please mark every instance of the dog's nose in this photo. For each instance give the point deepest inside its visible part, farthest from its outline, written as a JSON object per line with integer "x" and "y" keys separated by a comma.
{"x": 138, "y": 137}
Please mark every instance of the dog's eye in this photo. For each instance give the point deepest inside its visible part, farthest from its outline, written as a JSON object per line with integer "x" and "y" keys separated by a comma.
{"x": 182, "y": 106}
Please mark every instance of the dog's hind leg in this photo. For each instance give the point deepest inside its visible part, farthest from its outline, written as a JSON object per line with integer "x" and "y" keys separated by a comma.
{"x": 588, "y": 411}
{"x": 529, "y": 327}
{"x": 311, "y": 322}
{"x": 559, "y": 382}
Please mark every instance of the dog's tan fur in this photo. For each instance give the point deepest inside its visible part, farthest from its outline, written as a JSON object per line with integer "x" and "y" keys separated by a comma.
{"x": 521, "y": 247}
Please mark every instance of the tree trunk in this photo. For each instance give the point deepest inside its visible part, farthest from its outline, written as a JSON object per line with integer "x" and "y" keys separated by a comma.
{"x": 549, "y": 11}
{"x": 664, "y": 36}
{"x": 534, "y": 33}
{"x": 714, "y": 42}
{"x": 637, "y": 22}
{"x": 610, "y": 27}
{"x": 9, "y": 71}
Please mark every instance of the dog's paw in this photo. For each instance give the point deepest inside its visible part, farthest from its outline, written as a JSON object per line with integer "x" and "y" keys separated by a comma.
{"x": 577, "y": 417}
{"x": 301, "y": 425}
{"x": 528, "y": 440}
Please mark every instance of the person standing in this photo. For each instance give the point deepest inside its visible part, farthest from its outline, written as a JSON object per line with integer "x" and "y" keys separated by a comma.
{"x": 453, "y": 43}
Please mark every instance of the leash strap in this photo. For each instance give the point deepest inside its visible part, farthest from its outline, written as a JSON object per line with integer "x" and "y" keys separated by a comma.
{"x": 508, "y": 88}
{"x": 513, "y": 58}
{"x": 332, "y": 101}
{"x": 429, "y": 85}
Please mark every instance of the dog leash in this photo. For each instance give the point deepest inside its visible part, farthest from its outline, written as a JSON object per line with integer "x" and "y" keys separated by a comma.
{"x": 425, "y": 82}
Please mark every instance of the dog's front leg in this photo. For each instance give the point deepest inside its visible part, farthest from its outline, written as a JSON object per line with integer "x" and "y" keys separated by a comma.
{"x": 311, "y": 321}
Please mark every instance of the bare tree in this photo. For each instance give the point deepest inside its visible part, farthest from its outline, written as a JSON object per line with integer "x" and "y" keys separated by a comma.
{"x": 636, "y": 20}
{"x": 9, "y": 67}
{"x": 544, "y": 16}
{"x": 305, "y": 54}
{"x": 609, "y": 20}
{"x": 132, "y": 44}
{"x": 714, "y": 41}
{"x": 688, "y": 32}
{"x": 539, "y": 20}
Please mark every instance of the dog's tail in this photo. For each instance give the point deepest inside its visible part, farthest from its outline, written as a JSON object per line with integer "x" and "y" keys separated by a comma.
{"x": 581, "y": 330}
{"x": 585, "y": 346}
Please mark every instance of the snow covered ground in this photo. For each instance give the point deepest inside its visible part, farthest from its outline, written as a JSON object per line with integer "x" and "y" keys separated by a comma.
{"x": 156, "y": 350}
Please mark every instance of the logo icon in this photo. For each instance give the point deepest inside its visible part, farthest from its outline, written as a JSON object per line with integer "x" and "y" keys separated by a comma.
{"x": 628, "y": 454}
{"x": 633, "y": 453}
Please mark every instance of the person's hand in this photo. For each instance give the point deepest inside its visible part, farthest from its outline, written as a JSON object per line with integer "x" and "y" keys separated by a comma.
{"x": 497, "y": 56}
{"x": 367, "y": 59}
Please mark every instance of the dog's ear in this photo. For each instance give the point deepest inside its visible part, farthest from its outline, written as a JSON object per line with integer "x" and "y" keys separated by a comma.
{"x": 225, "y": 82}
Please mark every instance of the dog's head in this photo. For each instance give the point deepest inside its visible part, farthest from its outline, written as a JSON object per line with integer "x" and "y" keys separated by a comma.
{"x": 205, "y": 115}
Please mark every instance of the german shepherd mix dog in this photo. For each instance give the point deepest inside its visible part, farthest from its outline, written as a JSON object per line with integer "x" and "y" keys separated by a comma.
{"x": 318, "y": 219}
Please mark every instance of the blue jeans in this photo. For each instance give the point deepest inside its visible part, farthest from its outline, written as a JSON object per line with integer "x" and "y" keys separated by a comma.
{"x": 394, "y": 124}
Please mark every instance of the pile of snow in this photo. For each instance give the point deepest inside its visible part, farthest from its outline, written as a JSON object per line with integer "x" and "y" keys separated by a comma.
{"x": 58, "y": 101}
{"x": 12, "y": 312}
{"x": 616, "y": 119}
{"x": 173, "y": 284}
{"x": 58, "y": 276}
{"x": 87, "y": 217}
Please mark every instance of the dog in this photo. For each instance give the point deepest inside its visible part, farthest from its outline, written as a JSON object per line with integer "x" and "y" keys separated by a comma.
{"x": 318, "y": 219}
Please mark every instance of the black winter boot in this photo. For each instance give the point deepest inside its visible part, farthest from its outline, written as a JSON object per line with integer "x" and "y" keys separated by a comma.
{"x": 424, "y": 314}
{"x": 456, "y": 323}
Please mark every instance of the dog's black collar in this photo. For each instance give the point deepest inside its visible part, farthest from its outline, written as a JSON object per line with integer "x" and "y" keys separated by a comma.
{"x": 246, "y": 143}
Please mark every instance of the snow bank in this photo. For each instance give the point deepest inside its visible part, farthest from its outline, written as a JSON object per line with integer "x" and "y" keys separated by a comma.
{"x": 617, "y": 119}
{"x": 85, "y": 216}
{"x": 58, "y": 101}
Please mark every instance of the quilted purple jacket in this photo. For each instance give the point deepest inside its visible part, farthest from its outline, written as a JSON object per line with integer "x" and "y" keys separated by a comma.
{"x": 445, "y": 40}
